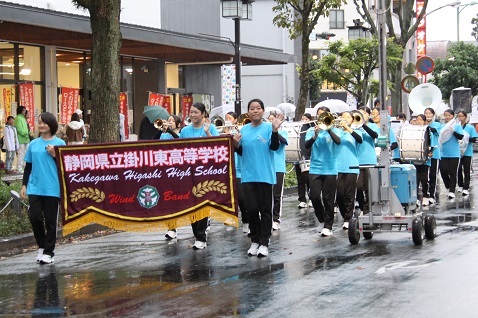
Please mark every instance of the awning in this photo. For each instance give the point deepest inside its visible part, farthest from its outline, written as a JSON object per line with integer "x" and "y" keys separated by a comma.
{"x": 31, "y": 25}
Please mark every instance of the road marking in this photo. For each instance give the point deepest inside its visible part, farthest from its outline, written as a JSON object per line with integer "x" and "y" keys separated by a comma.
{"x": 400, "y": 265}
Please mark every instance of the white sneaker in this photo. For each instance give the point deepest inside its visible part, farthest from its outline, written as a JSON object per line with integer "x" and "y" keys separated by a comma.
{"x": 39, "y": 255}
{"x": 171, "y": 235}
{"x": 199, "y": 245}
{"x": 459, "y": 189}
{"x": 275, "y": 226}
{"x": 466, "y": 192}
{"x": 418, "y": 202}
{"x": 326, "y": 232}
{"x": 262, "y": 251}
{"x": 451, "y": 195}
{"x": 431, "y": 201}
{"x": 245, "y": 228}
{"x": 253, "y": 249}
{"x": 46, "y": 259}
{"x": 320, "y": 227}
{"x": 310, "y": 203}
{"x": 425, "y": 201}
{"x": 345, "y": 226}
{"x": 302, "y": 205}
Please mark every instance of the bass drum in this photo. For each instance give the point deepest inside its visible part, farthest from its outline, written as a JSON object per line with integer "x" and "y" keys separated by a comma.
{"x": 292, "y": 149}
{"x": 414, "y": 143}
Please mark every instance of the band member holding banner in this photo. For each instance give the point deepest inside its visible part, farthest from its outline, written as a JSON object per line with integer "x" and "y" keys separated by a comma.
{"x": 280, "y": 168}
{"x": 200, "y": 127}
{"x": 435, "y": 128}
{"x": 366, "y": 156}
{"x": 451, "y": 132}
{"x": 347, "y": 157}
{"x": 323, "y": 170}
{"x": 41, "y": 184}
{"x": 464, "y": 167}
{"x": 255, "y": 143}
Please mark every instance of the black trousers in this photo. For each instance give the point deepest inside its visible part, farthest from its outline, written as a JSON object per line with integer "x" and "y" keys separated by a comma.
{"x": 199, "y": 229}
{"x": 464, "y": 169}
{"x": 322, "y": 195}
{"x": 242, "y": 204}
{"x": 448, "y": 169}
{"x": 302, "y": 182}
{"x": 259, "y": 204}
{"x": 362, "y": 191}
{"x": 345, "y": 199}
{"x": 278, "y": 190}
{"x": 422, "y": 178}
{"x": 43, "y": 214}
{"x": 432, "y": 177}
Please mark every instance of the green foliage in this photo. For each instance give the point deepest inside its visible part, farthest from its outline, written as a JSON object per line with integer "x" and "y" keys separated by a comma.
{"x": 474, "y": 33}
{"x": 350, "y": 65}
{"x": 460, "y": 68}
{"x": 10, "y": 223}
{"x": 290, "y": 177}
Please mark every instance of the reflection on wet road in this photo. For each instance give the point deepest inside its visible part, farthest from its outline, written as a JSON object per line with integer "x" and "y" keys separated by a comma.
{"x": 143, "y": 275}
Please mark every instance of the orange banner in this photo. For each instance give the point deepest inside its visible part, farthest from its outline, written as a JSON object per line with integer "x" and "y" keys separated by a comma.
{"x": 145, "y": 186}
{"x": 7, "y": 102}
{"x": 27, "y": 99}
{"x": 156, "y": 99}
{"x": 124, "y": 110}
{"x": 186, "y": 103}
{"x": 69, "y": 103}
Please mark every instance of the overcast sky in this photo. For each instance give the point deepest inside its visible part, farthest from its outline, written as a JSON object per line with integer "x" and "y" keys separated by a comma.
{"x": 441, "y": 24}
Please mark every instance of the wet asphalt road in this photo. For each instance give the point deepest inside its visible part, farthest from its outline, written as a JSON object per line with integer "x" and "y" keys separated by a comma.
{"x": 143, "y": 275}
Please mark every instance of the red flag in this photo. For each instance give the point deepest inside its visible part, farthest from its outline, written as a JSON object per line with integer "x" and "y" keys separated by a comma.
{"x": 124, "y": 111}
{"x": 69, "y": 103}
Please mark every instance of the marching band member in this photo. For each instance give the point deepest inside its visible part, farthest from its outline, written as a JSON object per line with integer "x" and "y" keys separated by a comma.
{"x": 422, "y": 169}
{"x": 450, "y": 133}
{"x": 347, "y": 178}
{"x": 323, "y": 172}
{"x": 231, "y": 117}
{"x": 255, "y": 143}
{"x": 280, "y": 168}
{"x": 435, "y": 128}
{"x": 366, "y": 156}
{"x": 170, "y": 130}
{"x": 200, "y": 127}
{"x": 303, "y": 176}
{"x": 391, "y": 134}
{"x": 464, "y": 167}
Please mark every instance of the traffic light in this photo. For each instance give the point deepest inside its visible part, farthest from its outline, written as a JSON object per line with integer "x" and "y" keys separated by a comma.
{"x": 325, "y": 35}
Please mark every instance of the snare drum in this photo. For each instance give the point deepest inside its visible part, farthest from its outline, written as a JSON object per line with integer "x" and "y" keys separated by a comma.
{"x": 414, "y": 143}
{"x": 292, "y": 149}
{"x": 305, "y": 166}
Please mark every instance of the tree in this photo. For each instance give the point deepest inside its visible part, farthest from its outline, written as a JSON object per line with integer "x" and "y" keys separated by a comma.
{"x": 351, "y": 65}
{"x": 300, "y": 17}
{"x": 460, "y": 68}
{"x": 404, "y": 11}
{"x": 105, "y": 68}
{"x": 474, "y": 33}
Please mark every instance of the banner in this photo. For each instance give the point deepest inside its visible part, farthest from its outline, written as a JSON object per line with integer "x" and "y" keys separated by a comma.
{"x": 148, "y": 185}
{"x": 186, "y": 103}
{"x": 28, "y": 100}
{"x": 69, "y": 103}
{"x": 156, "y": 99}
{"x": 124, "y": 110}
{"x": 7, "y": 102}
{"x": 421, "y": 33}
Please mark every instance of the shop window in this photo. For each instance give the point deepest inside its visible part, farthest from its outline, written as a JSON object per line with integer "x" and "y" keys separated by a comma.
{"x": 7, "y": 61}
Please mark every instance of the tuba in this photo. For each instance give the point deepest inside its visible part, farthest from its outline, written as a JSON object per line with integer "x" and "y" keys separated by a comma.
{"x": 424, "y": 96}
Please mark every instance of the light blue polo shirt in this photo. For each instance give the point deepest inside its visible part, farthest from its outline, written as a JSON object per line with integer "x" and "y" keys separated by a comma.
{"x": 323, "y": 158}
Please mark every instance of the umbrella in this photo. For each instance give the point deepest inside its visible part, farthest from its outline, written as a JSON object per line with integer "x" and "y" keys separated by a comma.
{"x": 270, "y": 109}
{"x": 311, "y": 111}
{"x": 335, "y": 105}
{"x": 155, "y": 112}
{"x": 222, "y": 110}
{"x": 287, "y": 108}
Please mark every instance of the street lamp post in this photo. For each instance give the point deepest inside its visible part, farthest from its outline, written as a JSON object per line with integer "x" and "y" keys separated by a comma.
{"x": 458, "y": 11}
{"x": 237, "y": 10}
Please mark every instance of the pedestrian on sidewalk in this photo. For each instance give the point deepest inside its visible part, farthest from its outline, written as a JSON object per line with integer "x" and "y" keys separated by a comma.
{"x": 10, "y": 144}
{"x": 23, "y": 135}
{"x": 41, "y": 184}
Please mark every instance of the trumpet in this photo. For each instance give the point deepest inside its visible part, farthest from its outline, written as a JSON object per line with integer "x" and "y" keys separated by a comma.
{"x": 160, "y": 124}
{"x": 358, "y": 119}
{"x": 326, "y": 121}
